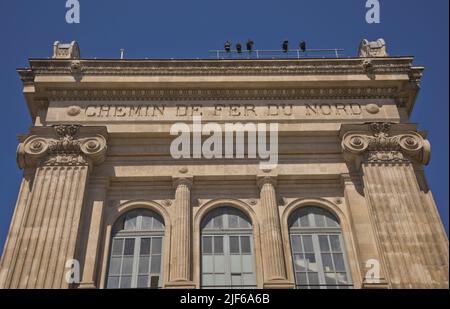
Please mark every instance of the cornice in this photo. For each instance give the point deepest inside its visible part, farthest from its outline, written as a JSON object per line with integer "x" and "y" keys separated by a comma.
{"x": 328, "y": 66}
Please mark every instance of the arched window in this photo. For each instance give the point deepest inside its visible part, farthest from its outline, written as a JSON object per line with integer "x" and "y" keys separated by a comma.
{"x": 136, "y": 251}
{"x": 227, "y": 250}
{"x": 317, "y": 249}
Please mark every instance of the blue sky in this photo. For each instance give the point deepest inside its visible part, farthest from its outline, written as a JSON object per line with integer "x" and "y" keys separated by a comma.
{"x": 188, "y": 29}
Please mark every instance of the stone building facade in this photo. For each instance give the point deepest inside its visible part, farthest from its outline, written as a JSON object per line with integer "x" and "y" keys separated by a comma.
{"x": 102, "y": 198}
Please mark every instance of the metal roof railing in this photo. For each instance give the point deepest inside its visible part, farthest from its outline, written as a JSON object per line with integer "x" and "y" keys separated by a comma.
{"x": 277, "y": 54}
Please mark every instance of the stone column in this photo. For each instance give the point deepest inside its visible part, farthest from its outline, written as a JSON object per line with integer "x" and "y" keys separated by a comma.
{"x": 181, "y": 236}
{"x": 271, "y": 237}
{"x": 94, "y": 213}
{"x": 48, "y": 230}
{"x": 410, "y": 237}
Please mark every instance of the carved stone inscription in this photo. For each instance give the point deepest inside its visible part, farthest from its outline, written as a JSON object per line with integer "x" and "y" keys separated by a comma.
{"x": 217, "y": 110}
{"x": 222, "y": 110}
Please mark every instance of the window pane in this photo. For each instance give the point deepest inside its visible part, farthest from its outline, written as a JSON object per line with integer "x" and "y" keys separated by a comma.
{"x": 330, "y": 278}
{"x": 312, "y": 263}
{"x": 154, "y": 282}
{"x": 296, "y": 243}
{"x": 117, "y": 246}
{"x": 300, "y": 279}
{"x": 342, "y": 278}
{"x": 143, "y": 265}
{"x": 218, "y": 222}
{"x": 156, "y": 245}
{"x": 207, "y": 244}
{"x": 155, "y": 264}
{"x": 145, "y": 246}
{"x": 234, "y": 244}
{"x": 235, "y": 261}
{"x": 157, "y": 224}
{"x": 220, "y": 280}
{"x": 299, "y": 262}
{"x": 207, "y": 264}
{"x": 335, "y": 243}
{"x": 247, "y": 263}
{"x": 313, "y": 278}
{"x": 243, "y": 223}
{"x": 319, "y": 218}
{"x": 130, "y": 222}
{"x": 331, "y": 221}
{"x": 207, "y": 280}
{"x": 339, "y": 262}
{"x": 304, "y": 222}
{"x": 249, "y": 279}
{"x": 327, "y": 262}
{"x": 232, "y": 221}
{"x": 219, "y": 264}
{"x": 125, "y": 282}
{"x": 114, "y": 266}
{"x": 113, "y": 283}
{"x": 323, "y": 241}
{"x": 129, "y": 246}
{"x": 236, "y": 280}
{"x": 142, "y": 282}
{"x": 245, "y": 244}
{"x": 147, "y": 223}
{"x": 307, "y": 243}
{"x": 127, "y": 266}
{"x": 218, "y": 245}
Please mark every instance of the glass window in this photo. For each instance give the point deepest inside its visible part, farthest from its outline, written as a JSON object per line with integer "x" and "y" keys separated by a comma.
{"x": 317, "y": 250}
{"x": 227, "y": 250}
{"x": 136, "y": 251}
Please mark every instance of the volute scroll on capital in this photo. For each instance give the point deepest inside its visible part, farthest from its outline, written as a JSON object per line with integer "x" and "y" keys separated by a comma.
{"x": 64, "y": 149}
{"x": 382, "y": 145}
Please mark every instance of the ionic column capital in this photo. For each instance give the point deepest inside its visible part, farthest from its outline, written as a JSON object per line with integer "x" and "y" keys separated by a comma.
{"x": 385, "y": 143}
{"x": 186, "y": 181}
{"x": 263, "y": 180}
{"x": 61, "y": 145}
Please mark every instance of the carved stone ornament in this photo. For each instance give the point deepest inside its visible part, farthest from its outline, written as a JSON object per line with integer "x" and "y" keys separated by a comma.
{"x": 65, "y": 150}
{"x": 382, "y": 147}
{"x": 66, "y": 51}
{"x": 76, "y": 67}
{"x": 372, "y": 49}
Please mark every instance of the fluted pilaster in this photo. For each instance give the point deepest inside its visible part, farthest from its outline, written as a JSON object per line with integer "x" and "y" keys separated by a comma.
{"x": 271, "y": 238}
{"x": 181, "y": 242}
{"x": 50, "y": 215}
{"x": 410, "y": 237}
{"x": 93, "y": 217}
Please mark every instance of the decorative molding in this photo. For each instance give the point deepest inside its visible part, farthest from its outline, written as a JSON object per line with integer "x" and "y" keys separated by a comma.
{"x": 65, "y": 150}
{"x": 380, "y": 146}
{"x": 222, "y": 94}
